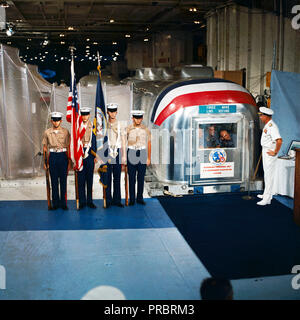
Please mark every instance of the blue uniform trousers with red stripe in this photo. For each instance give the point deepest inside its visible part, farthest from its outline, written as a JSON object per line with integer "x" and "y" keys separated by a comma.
{"x": 85, "y": 181}
{"x": 58, "y": 168}
{"x": 114, "y": 171}
{"x": 136, "y": 163}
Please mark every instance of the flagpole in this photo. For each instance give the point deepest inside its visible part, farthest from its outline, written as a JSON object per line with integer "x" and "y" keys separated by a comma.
{"x": 99, "y": 70}
{"x": 103, "y": 188}
{"x": 71, "y": 48}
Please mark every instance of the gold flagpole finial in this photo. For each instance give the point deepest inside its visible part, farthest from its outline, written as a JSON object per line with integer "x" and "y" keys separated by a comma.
{"x": 72, "y": 49}
{"x": 99, "y": 65}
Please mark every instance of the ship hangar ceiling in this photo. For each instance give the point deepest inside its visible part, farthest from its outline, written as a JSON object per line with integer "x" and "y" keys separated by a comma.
{"x": 105, "y": 21}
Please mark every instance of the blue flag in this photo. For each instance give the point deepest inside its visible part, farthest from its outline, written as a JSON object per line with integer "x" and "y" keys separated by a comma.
{"x": 99, "y": 137}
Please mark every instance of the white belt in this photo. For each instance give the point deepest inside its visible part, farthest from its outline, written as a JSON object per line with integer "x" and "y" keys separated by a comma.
{"x": 58, "y": 150}
{"x": 115, "y": 146}
{"x": 136, "y": 148}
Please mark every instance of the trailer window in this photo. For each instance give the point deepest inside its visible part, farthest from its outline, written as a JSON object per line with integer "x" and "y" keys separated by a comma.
{"x": 219, "y": 135}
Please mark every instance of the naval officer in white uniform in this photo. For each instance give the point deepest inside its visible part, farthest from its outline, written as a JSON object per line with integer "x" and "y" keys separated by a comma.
{"x": 271, "y": 142}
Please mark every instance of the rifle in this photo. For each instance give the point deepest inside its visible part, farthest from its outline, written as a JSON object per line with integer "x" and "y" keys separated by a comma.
{"x": 126, "y": 185}
{"x": 76, "y": 190}
{"x": 47, "y": 181}
{"x": 102, "y": 171}
{"x": 104, "y": 198}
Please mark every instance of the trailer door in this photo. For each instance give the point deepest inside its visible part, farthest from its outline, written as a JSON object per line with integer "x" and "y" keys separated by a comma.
{"x": 217, "y": 149}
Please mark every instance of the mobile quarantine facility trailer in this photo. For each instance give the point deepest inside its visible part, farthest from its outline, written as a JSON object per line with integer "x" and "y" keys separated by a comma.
{"x": 204, "y": 131}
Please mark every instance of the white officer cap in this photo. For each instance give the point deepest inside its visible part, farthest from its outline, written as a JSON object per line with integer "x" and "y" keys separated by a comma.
{"x": 85, "y": 111}
{"x": 137, "y": 113}
{"x": 267, "y": 111}
{"x": 56, "y": 115}
{"x": 112, "y": 107}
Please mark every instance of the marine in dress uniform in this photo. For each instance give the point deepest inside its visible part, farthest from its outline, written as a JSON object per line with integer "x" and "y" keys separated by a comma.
{"x": 56, "y": 141}
{"x": 85, "y": 176}
{"x": 116, "y": 156}
{"x": 271, "y": 143}
{"x": 138, "y": 156}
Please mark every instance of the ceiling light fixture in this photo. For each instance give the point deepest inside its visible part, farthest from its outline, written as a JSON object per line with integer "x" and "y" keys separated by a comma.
{"x": 111, "y": 20}
{"x": 4, "y": 4}
{"x": 127, "y": 36}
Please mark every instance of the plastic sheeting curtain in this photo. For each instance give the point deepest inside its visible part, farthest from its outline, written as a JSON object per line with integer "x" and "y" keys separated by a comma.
{"x": 22, "y": 110}
{"x": 26, "y": 100}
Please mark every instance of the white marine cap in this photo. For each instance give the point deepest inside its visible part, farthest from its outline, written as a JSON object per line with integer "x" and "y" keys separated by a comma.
{"x": 85, "y": 111}
{"x": 137, "y": 113}
{"x": 267, "y": 111}
{"x": 112, "y": 107}
{"x": 56, "y": 115}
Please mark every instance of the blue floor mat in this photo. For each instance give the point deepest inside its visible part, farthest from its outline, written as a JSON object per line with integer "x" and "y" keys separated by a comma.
{"x": 66, "y": 254}
{"x": 33, "y": 215}
{"x": 235, "y": 238}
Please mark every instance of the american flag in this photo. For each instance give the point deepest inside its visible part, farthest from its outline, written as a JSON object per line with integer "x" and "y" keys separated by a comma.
{"x": 77, "y": 130}
{"x": 69, "y": 105}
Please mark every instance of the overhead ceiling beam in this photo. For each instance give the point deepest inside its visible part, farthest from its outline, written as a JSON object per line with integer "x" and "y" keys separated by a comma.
{"x": 41, "y": 5}
{"x": 20, "y": 14}
{"x": 61, "y": 12}
{"x": 53, "y": 23}
{"x": 142, "y": 3}
{"x": 90, "y": 10}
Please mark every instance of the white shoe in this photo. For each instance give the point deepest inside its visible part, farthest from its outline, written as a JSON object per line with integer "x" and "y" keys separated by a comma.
{"x": 263, "y": 202}
{"x": 260, "y": 196}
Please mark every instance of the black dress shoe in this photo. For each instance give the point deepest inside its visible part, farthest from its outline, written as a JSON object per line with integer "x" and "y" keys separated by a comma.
{"x": 81, "y": 206}
{"x": 65, "y": 208}
{"x": 131, "y": 203}
{"x": 91, "y": 205}
{"x": 141, "y": 202}
{"x": 54, "y": 208}
{"x": 107, "y": 205}
{"x": 119, "y": 205}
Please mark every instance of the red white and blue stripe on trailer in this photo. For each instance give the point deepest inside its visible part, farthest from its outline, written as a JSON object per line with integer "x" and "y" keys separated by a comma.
{"x": 196, "y": 93}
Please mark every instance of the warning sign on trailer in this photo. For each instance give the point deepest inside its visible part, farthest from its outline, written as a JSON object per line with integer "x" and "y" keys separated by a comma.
{"x": 209, "y": 170}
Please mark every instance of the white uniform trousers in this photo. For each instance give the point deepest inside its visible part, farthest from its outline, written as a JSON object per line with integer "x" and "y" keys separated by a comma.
{"x": 269, "y": 163}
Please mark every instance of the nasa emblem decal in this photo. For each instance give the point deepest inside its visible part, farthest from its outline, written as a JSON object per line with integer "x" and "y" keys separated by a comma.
{"x": 217, "y": 156}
